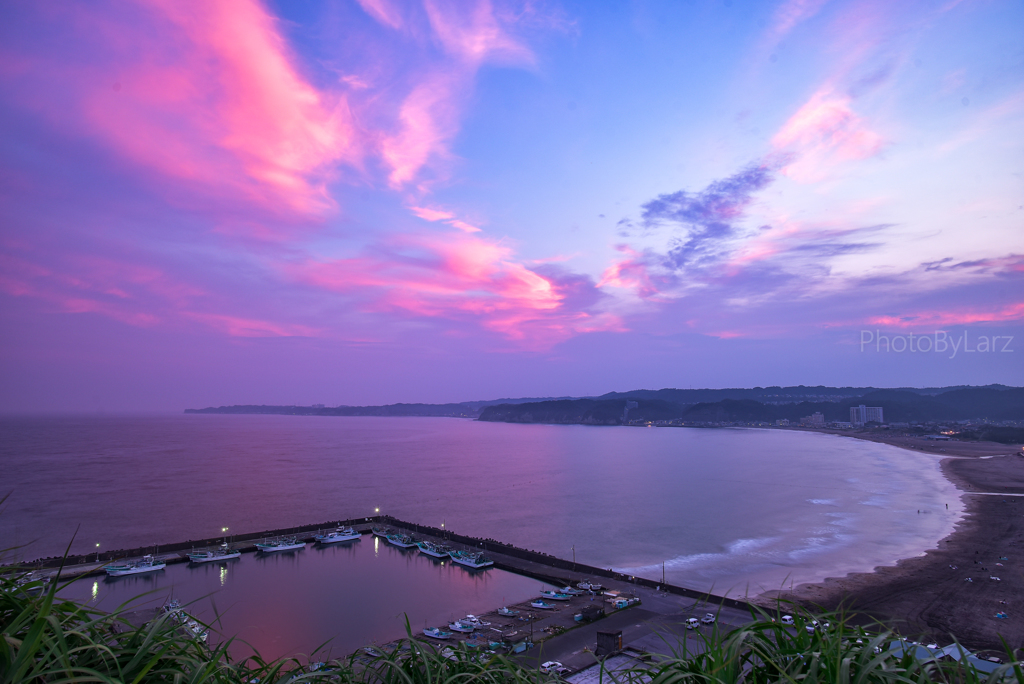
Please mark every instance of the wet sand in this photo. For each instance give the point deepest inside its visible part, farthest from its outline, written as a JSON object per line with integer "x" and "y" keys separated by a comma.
{"x": 930, "y": 596}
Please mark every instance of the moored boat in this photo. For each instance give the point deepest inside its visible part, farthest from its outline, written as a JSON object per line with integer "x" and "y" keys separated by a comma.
{"x": 555, "y": 596}
{"x": 290, "y": 544}
{"x": 437, "y": 633}
{"x": 470, "y": 559}
{"x": 221, "y": 553}
{"x": 404, "y": 541}
{"x": 338, "y": 535}
{"x": 542, "y": 605}
{"x": 434, "y": 549}
{"x": 460, "y": 626}
{"x": 381, "y": 530}
{"x": 146, "y": 564}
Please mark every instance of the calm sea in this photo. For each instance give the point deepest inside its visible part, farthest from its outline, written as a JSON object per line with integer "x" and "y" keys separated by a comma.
{"x": 734, "y": 510}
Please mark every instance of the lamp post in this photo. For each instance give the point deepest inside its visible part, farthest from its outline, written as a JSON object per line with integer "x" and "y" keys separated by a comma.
{"x": 574, "y": 558}
{"x": 97, "y": 553}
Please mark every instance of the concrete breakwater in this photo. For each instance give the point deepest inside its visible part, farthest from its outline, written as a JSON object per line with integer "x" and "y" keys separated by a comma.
{"x": 541, "y": 566}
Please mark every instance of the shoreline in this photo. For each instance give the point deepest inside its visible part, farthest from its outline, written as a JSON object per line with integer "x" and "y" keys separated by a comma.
{"x": 929, "y": 595}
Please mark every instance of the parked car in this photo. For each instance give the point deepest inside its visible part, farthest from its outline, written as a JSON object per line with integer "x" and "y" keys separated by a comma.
{"x": 787, "y": 619}
{"x": 708, "y": 619}
{"x": 692, "y": 623}
{"x": 550, "y": 666}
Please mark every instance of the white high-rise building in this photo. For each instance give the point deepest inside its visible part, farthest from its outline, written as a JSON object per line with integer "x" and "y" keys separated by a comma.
{"x": 859, "y": 415}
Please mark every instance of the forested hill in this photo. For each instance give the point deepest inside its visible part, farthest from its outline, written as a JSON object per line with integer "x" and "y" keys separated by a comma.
{"x": 758, "y": 404}
{"x": 995, "y": 403}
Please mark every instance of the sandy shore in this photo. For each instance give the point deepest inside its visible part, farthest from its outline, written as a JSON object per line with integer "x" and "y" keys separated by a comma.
{"x": 930, "y": 596}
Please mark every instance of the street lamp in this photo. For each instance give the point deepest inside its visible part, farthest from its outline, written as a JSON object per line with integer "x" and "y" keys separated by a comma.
{"x": 97, "y": 553}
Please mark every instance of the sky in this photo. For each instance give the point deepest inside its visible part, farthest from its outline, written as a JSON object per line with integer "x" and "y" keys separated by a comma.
{"x": 378, "y": 201}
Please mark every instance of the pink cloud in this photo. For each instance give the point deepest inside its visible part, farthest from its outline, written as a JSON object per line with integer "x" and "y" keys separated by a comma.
{"x": 823, "y": 133}
{"x": 630, "y": 273}
{"x": 249, "y": 327}
{"x": 458, "y": 276}
{"x": 386, "y": 12}
{"x": 428, "y": 214}
{"x": 207, "y": 95}
{"x": 473, "y": 33}
{"x": 1011, "y": 312}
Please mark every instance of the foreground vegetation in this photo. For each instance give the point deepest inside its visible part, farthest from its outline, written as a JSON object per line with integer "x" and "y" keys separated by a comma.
{"x": 45, "y": 639}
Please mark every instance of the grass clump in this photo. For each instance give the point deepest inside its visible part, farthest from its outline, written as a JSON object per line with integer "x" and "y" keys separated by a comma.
{"x": 47, "y": 639}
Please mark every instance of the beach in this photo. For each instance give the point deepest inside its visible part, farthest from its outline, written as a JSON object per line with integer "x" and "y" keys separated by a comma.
{"x": 949, "y": 592}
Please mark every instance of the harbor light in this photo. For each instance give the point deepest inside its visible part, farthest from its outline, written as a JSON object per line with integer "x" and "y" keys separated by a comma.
{"x": 376, "y": 510}
{"x": 223, "y": 529}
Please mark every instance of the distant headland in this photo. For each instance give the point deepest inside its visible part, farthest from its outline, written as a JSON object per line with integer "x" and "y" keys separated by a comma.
{"x": 989, "y": 407}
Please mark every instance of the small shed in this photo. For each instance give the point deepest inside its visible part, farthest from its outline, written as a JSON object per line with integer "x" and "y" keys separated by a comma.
{"x": 608, "y": 642}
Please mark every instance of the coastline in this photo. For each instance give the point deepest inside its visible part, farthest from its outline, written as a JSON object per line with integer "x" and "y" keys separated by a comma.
{"x": 929, "y": 595}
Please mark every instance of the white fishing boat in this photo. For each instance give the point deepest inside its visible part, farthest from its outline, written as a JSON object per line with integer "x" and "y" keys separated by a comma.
{"x": 460, "y": 626}
{"x": 221, "y": 553}
{"x": 434, "y": 549}
{"x": 437, "y": 633}
{"x": 589, "y": 586}
{"x": 470, "y": 559}
{"x": 475, "y": 621}
{"x": 338, "y": 535}
{"x": 569, "y": 590}
{"x": 555, "y": 596}
{"x": 146, "y": 564}
{"x": 504, "y": 611}
{"x": 404, "y": 541}
{"x": 381, "y": 530}
{"x": 542, "y": 605}
{"x": 290, "y": 544}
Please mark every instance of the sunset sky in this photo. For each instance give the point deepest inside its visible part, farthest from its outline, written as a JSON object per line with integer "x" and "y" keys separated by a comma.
{"x": 380, "y": 201}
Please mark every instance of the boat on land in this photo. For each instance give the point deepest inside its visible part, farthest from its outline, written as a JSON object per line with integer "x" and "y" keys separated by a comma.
{"x": 437, "y": 633}
{"x": 542, "y": 605}
{"x": 460, "y": 626}
{"x": 470, "y": 559}
{"x": 434, "y": 549}
{"x": 504, "y": 611}
{"x": 221, "y": 553}
{"x": 475, "y": 621}
{"x": 555, "y": 595}
{"x": 572, "y": 592}
{"x": 338, "y": 535}
{"x": 589, "y": 586}
{"x": 289, "y": 544}
{"x": 400, "y": 540}
{"x": 146, "y": 564}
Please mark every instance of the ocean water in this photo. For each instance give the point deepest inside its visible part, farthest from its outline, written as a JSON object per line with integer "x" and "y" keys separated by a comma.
{"x": 731, "y": 510}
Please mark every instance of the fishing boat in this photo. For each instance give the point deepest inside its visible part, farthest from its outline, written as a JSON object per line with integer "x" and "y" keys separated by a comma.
{"x": 437, "y": 633}
{"x": 404, "y": 541}
{"x": 471, "y": 559}
{"x": 569, "y": 590}
{"x": 381, "y": 530}
{"x": 146, "y": 564}
{"x": 542, "y": 605}
{"x": 589, "y": 586}
{"x": 290, "y": 544}
{"x": 338, "y": 535}
{"x": 460, "y": 626}
{"x": 506, "y": 612}
{"x": 555, "y": 596}
{"x": 475, "y": 621}
{"x": 221, "y": 553}
{"x": 434, "y": 549}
